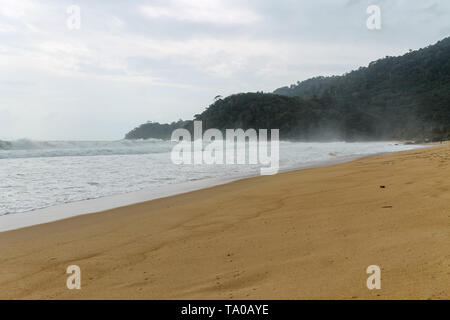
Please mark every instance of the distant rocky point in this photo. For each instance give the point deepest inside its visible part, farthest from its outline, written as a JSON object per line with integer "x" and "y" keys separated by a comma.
{"x": 5, "y": 145}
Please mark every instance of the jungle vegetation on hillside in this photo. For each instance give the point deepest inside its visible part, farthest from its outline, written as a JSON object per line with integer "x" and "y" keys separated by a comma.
{"x": 406, "y": 97}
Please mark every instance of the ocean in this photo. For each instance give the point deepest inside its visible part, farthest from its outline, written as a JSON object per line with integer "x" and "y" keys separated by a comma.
{"x": 42, "y": 174}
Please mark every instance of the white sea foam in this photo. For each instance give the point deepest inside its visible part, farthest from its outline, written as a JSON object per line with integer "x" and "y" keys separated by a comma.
{"x": 42, "y": 174}
{"x": 25, "y": 148}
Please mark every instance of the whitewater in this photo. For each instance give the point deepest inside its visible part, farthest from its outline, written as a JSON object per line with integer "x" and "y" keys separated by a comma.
{"x": 43, "y": 174}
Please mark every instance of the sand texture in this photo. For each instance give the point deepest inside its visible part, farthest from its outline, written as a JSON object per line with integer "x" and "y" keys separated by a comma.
{"x": 307, "y": 234}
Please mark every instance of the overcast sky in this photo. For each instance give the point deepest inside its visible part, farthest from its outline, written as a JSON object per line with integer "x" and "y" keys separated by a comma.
{"x": 133, "y": 61}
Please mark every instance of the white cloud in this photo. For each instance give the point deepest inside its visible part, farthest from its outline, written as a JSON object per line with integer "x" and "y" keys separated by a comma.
{"x": 22, "y": 15}
{"x": 7, "y": 28}
{"x": 16, "y": 9}
{"x": 210, "y": 11}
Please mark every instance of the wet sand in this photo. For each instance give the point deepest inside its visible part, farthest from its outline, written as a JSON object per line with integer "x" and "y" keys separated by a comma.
{"x": 307, "y": 234}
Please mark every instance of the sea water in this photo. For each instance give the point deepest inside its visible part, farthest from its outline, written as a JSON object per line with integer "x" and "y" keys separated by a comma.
{"x": 41, "y": 174}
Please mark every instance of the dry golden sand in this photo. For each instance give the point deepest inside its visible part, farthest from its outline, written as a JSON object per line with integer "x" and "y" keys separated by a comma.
{"x": 306, "y": 234}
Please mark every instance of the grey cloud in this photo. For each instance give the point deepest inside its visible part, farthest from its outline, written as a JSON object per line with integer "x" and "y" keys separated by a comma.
{"x": 111, "y": 62}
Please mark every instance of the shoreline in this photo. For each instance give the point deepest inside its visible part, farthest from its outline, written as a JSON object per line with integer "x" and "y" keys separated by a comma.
{"x": 19, "y": 220}
{"x": 305, "y": 234}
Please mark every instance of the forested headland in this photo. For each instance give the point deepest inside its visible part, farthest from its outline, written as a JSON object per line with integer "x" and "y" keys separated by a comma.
{"x": 405, "y": 97}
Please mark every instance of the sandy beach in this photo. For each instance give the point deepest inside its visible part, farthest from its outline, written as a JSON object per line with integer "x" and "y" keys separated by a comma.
{"x": 307, "y": 234}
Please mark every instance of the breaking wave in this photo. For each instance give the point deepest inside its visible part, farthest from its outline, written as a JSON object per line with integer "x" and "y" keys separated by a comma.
{"x": 25, "y": 148}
